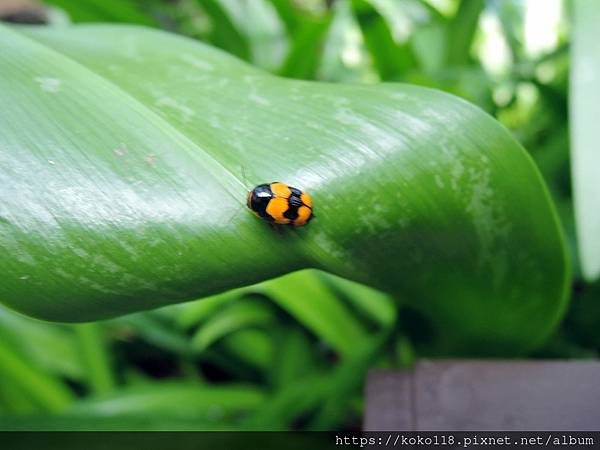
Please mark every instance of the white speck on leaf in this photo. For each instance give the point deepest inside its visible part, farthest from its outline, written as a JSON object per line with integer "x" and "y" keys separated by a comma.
{"x": 489, "y": 222}
{"x": 130, "y": 48}
{"x": 106, "y": 264}
{"x": 25, "y": 258}
{"x": 373, "y": 222}
{"x": 249, "y": 79}
{"x": 120, "y": 150}
{"x": 402, "y": 222}
{"x": 398, "y": 95}
{"x": 258, "y": 99}
{"x": 80, "y": 252}
{"x": 323, "y": 241}
{"x": 150, "y": 159}
{"x": 341, "y": 102}
{"x": 196, "y": 62}
{"x": 186, "y": 112}
{"x": 456, "y": 172}
{"x": 214, "y": 122}
{"x": 62, "y": 273}
{"x": 49, "y": 84}
{"x": 439, "y": 182}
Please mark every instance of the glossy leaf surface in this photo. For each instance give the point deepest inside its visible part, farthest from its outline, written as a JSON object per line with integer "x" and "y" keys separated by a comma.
{"x": 122, "y": 151}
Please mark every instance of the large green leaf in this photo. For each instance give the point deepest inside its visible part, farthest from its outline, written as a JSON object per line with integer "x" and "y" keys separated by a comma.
{"x": 310, "y": 301}
{"x": 46, "y": 392}
{"x": 240, "y": 315}
{"x": 104, "y": 11}
{"x": 584, "y": 109}
{"x": 50, "y": 347}
{"x": 121, "y": 154}
{"x": 302, "y": 294}
{"x": 174, "y": 399}
{"x": 461, "y": 31}
{"x": 258, "y": 22}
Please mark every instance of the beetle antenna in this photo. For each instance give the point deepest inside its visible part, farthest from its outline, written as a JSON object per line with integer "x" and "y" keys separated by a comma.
{"x": 245, "y": 180}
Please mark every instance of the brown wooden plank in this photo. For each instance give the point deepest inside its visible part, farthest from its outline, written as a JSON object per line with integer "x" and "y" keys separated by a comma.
{"x": 389, "y": 402}
{"x": 486, "y": 396}
{"x": 23, "y": 11}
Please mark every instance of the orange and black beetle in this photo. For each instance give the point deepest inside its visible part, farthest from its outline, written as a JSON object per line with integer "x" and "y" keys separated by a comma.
{"x": 281, "y": 204}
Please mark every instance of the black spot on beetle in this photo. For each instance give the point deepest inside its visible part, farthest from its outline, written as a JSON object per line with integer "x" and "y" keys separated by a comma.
{"x": 294, "y": 203}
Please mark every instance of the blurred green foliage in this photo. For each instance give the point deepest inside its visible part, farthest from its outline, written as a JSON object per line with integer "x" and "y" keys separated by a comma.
{"x": 292, "y": 353}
